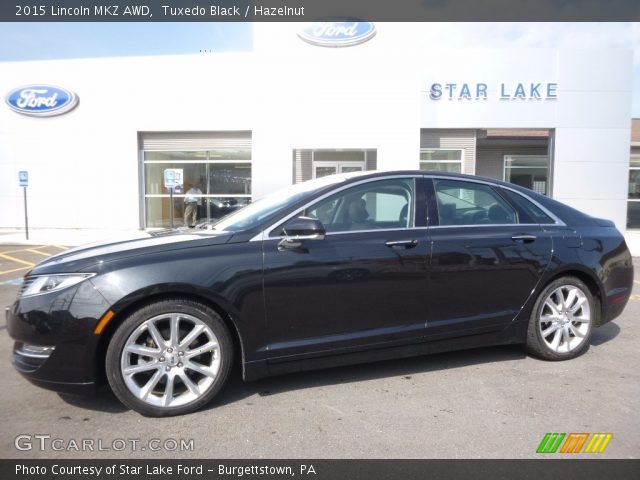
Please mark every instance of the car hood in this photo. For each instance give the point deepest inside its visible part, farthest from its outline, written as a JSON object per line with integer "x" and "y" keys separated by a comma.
{"x": 85, "y": 256}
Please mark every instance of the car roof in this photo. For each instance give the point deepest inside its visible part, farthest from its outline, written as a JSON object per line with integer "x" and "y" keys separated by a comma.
{"x": 426, "y": 173}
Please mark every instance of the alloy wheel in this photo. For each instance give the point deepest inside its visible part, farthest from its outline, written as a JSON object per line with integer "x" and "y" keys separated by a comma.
{"x": 565, "y": 319}
{"x": 170, "y": 360}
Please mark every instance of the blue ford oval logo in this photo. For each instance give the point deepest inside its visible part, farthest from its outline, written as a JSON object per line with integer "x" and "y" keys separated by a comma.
{"x": 41, "y": 100}
{"x": 337, "y": 34}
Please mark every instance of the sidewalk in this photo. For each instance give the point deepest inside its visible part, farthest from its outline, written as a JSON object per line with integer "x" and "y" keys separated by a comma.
{"x": 69, "y": 237}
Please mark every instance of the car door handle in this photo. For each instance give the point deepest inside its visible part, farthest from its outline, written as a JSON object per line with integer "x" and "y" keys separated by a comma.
{"x": 402, "y": 243}
{"x": 524, "y": 238}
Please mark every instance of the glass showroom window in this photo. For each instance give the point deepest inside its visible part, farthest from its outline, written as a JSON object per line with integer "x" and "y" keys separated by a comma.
{"x": 529, "y": 171}
{"x": 223, "y": 177}
{"x": 441, "y": 160}
{"x": 330, "y": 162}
{"x": 633, "y": 204}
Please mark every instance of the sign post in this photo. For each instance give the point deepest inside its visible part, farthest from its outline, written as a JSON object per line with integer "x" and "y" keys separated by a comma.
{"x": 23, "y": 177}
{"x": 172, "y": 179}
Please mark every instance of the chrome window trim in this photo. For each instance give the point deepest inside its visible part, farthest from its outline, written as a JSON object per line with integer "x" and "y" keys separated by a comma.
{"x": 488, "y": 225}
{"x": 264, "y": 235}
{"x": 409, "y": 229}
{"x": 502, "y": 225}
{"x": 558, "y": 222}
{"x": 459, "y": 161}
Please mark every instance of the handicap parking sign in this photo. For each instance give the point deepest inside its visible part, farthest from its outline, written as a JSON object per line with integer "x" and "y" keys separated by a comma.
{"x": 172, "y": 177}
{"x": 24, "y": 178}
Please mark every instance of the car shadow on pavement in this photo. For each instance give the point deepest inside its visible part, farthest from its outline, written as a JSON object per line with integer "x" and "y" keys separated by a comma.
{"x": 236, "y": 389}
{"x": 603, "y": 334}
{"x": 103, "y": 400}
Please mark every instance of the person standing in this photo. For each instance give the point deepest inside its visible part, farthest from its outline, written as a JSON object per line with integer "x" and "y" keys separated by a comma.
{"x": 192, "y": 200}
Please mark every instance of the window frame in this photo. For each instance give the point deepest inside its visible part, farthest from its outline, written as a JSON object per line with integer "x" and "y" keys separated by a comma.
{"x": 338, "y": 164}
{"x": 548, "y": 167}
{"x": 439, "y": 149}
{"x": 206, "y": 195}
{"x": 632, "y": 157}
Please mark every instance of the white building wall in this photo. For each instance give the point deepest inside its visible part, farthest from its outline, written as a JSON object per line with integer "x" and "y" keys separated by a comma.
{"x": 84, "y": 165}
{"x": 591, "y": 115}
{"x": 363, "y": 97}
{"x": 593, "y": 132}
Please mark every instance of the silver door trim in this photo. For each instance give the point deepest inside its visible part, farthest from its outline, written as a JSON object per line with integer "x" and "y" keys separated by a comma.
{"x": 264, "y": 234}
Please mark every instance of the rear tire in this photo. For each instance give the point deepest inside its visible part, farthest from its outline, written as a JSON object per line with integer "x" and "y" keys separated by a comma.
{"x": 169, "y": 358}
{"x": 562, "y": 320}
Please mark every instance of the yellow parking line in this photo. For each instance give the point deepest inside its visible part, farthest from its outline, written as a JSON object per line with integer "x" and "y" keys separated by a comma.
{"x": 61, "y": 247}
{"x": 33, "y": 250}
{"x": 17, "y": 251}
{"x": 637, "y": 281}
{"x": 635, "y": 297}
{"x": 14, "y": 259}
{"x": 14, "y": 270}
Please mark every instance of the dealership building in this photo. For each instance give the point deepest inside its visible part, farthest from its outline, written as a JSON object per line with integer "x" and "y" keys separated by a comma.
{"x": 309, "y": 101}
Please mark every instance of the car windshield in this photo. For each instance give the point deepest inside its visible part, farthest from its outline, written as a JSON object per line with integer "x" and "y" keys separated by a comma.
{"x": 254, "y": 213}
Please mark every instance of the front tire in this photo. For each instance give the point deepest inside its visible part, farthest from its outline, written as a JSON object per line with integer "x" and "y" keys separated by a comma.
{"x": 169, "y": 358}
{"x": 562, "y": 320}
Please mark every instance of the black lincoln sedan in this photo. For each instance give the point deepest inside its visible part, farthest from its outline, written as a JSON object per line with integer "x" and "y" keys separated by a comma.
{"x": 344, "y": 269}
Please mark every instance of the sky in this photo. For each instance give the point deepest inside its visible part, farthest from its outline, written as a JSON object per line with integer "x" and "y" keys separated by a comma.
{"x": 37, "y": 41}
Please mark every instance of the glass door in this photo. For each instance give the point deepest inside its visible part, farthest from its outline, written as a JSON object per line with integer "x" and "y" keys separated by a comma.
{"x": 351, "y": 168}
{"x": 324, "y": 169}
{"x": 529, "y": 171}
{"x": 330, "y": 162}
{"x": 216, "y": 183}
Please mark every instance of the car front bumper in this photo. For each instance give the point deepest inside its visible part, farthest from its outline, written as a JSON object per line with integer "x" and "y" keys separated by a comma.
{"x": 55, "y": 345}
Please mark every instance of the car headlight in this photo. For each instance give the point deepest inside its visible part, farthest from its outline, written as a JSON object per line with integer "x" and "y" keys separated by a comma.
{"x": 39, "y": 284}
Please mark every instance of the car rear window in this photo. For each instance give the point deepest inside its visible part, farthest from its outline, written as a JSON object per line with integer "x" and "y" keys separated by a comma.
{"x": 529, "y": 212}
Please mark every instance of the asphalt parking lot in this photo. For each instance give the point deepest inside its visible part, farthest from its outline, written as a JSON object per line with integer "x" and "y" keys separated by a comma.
{"x": 16, "y": 260}
{"x": 482, "y": 403}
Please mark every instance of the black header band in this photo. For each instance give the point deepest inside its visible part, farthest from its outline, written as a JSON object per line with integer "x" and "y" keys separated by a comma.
{"x": 314, "y": 10}
{"x": 318, "y": 469}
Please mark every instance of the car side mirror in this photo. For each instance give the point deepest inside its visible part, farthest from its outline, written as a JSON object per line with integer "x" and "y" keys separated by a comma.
{"x": 301, "y": 229}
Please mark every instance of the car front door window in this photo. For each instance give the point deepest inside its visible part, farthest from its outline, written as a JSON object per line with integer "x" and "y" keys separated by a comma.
{"x": 378, "y": 205}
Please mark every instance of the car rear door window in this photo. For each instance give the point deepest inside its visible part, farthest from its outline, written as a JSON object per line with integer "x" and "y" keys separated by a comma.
{"x": 470, "y": 203}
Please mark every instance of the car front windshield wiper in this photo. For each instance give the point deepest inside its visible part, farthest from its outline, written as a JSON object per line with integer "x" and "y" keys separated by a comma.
{"x": 211, "y": 226}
